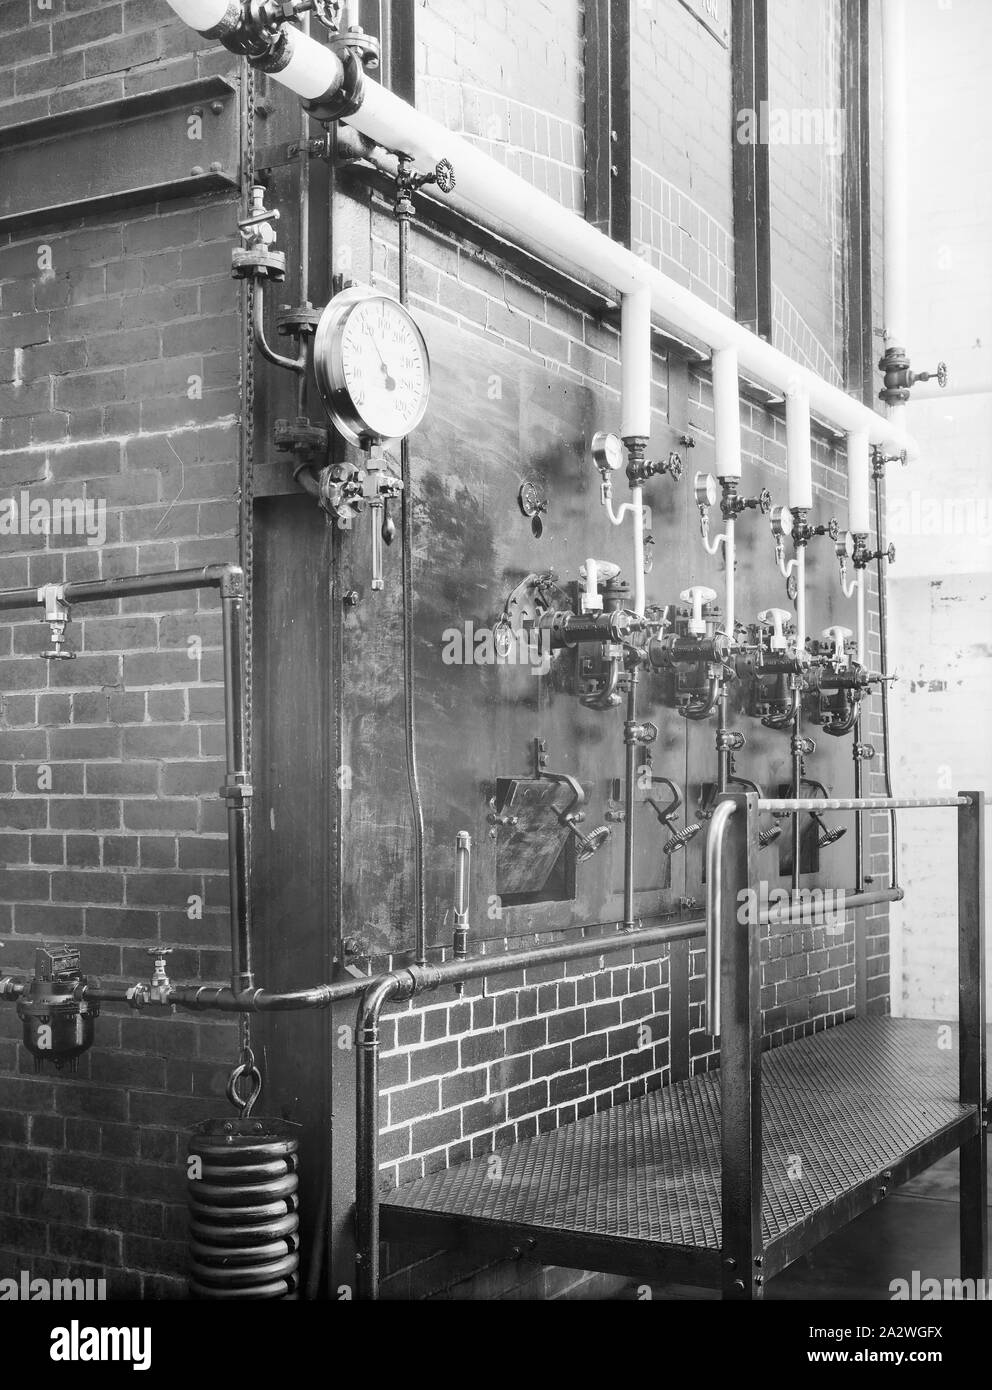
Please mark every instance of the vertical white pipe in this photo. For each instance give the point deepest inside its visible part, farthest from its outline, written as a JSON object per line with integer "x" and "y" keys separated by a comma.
{"x": 895, "y": 136}
{"x": 726, "y": 413}
{"x": 635, "y": 364}
{"x": 730, "y": 559}
{"x": 800, "y": 599}
{"x": 798, "y": 446}
{"x": 635, "y": 407}
{"x": 858, "y": 483}
{"x": 862, "y": 625}
{"x": 637, "y": 502}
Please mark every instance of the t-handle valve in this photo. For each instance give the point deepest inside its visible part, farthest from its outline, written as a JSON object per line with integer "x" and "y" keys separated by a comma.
{"x": 698, "y": 595}
{"x": 837, "y": 636}
{"x": 777, "y": 618}
{"x": 593, "y": 573}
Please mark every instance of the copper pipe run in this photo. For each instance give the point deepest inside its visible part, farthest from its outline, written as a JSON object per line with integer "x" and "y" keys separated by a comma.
{"x": 405, "y": 984}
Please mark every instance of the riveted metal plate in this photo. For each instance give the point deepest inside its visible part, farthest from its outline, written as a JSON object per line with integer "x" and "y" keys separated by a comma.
{"x": 164, "y": 144}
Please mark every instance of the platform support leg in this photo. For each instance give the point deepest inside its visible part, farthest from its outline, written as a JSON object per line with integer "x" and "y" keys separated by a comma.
{"x": 740, "y": 1056}
{"x": 971, "y": 1033}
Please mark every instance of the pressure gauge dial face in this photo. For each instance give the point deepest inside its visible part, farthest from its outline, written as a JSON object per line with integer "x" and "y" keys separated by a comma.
{"x": 781, "y": 521}
{"x": 844, "y": 545}
{"x": 705, "y": 489}
{"x": 372, "y": 367}
{"x": 607, "y": 452}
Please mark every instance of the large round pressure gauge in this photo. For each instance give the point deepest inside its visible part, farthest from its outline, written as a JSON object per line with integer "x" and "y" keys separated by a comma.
{"x": 372, "y": 367}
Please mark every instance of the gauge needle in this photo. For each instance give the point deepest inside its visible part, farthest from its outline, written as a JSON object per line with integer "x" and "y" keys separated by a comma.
{"x": 390, "y": 382}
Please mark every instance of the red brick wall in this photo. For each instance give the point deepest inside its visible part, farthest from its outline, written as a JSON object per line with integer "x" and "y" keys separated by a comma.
{"x": 98, "y": 398}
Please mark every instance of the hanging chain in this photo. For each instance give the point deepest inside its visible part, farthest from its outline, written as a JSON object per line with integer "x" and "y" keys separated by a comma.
{"x": 246, "y": 1069}
{"x": 247, "y": 539}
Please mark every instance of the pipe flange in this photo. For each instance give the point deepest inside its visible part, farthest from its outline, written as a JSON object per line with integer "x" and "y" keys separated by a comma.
{"x": 300, "y": 437}
{"x": 365, "y": 47}
{"x": 344, "y": 102}
{"x": 296, "y": 321}
{"x": 258, "y": 263}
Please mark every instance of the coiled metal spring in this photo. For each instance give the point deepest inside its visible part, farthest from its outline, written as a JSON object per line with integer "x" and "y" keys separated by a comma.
{"x": 243, "y": 1193}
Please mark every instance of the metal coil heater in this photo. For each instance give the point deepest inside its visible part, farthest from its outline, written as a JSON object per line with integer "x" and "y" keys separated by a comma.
{"x": 243, "y": 1192}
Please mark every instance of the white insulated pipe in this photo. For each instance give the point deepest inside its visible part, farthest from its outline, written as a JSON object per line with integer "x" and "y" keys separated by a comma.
{"x": 730, "y": 560}
{"x": 798, "y": 446}
{"x": 637, "y": 505}
{"x": 862, "y": 620}
{"x": 306, "y": 73}
{"x": 727, "y": 458}
{"x": 635, "y": 407}
{"x": 202, "y": 15}
{"x": 858, "y": 483}
{"x": 635, "y": 364}
{"x": 508, "y": 205}
{"x": 726, "y": 413}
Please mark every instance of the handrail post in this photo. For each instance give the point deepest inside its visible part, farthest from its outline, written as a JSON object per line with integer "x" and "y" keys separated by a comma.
{"x": 971, "y": 1032}
{"x": 740, "y": 1055}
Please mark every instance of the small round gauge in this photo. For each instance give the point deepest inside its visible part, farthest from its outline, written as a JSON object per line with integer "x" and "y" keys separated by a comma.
{"x": 705, "y": 488}
{"x": 781, "y": 521}
{"x": 844, "y": 545}
{"x": 607, "y": 451}
{"x": 792, "y": 587}
{"x": 372, "y": 367}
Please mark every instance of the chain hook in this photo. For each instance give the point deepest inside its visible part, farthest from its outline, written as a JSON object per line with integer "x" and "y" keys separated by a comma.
{"x": 245, "y": 1071}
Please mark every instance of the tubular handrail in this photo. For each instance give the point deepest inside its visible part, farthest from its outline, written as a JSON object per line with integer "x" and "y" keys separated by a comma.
{"x": 714, "y": 906}
{"x": 714, "y": 865}
{"x": 860, "y": 803}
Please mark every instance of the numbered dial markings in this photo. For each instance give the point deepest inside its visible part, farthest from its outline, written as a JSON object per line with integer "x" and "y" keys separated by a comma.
{"x": 372, "y": 367}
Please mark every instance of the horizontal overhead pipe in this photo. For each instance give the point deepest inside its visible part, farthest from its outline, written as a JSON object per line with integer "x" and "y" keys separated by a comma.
{"x": 505, "y": 203}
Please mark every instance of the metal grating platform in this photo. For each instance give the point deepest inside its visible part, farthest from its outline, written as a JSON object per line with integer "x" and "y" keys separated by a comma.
{"x": 840, "y": 1108}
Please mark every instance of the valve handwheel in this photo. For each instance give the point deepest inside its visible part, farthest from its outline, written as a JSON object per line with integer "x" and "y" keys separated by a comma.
{"x": 444, "y": 176}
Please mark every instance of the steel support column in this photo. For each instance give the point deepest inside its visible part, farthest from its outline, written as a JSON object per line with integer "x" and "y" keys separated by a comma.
{"x": 740, "y": 1059}
{"x": 971, "y": 1032}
